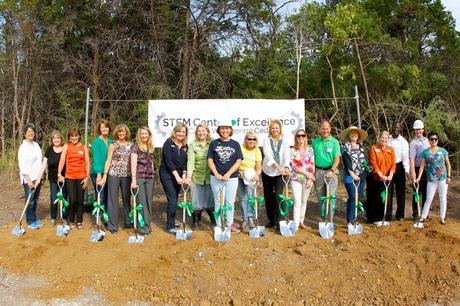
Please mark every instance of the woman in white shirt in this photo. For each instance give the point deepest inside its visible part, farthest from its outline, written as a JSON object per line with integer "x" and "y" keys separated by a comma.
{"x": 30, "y": 160}
{"x": 275, "y": 164}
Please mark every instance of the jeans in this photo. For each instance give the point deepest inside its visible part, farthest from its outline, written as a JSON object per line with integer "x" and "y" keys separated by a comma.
{"x": 244, "y": 192}
{"x": 54, "y": 208}
{"x": 300, "y": 193}
{"x": 31, "y": 211}
{"x": 172, "y": 189}
{"x": 352, "y": 199}
{"x": 229, "y": 188}
{"x": 431, "y": 188}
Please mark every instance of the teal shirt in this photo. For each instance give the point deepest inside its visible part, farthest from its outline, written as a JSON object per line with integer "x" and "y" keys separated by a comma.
{"x": 325, "y": 151}
{"x": 197, "y": 161}
{"x": 99, "y": 154}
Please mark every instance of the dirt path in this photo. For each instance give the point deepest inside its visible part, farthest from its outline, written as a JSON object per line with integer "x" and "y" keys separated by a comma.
{"x": 395, "y": 265}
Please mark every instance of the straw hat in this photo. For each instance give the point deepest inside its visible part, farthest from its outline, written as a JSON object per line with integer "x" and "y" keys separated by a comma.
{"x": 344, "y": 134}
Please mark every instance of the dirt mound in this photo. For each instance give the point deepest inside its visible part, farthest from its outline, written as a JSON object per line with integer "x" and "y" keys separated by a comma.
{"x": 398, "y": 264}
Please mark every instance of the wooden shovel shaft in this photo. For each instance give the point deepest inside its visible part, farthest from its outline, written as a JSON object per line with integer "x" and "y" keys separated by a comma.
{"x": 25, "y": 207}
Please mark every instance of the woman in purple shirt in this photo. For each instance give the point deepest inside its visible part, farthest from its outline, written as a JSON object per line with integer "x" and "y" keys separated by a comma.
{"x": 142, "y": 172}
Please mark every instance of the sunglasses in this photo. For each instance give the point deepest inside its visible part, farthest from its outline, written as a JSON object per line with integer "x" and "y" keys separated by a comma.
{"x": 251, "y": 139}
{"x": 433, "y": 139}
{"x": 300, "y": 135}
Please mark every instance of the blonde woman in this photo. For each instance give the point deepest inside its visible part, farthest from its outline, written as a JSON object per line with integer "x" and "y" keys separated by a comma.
{"x": 250, "y": 170}
{"x": 117, "y": 174}
{"x": 142, "y": 171}
{"x": 51, "y": 161}
{"x": 303, "y": 175}
{"x": 198, "y": 175}
{"x": 172, "y": 171}
{"x": 274, "y": 166}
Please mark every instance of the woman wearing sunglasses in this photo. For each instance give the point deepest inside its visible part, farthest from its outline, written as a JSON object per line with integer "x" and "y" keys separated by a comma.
{"x": 436, "y": 161}
{"x": 303, "y": 175}
{"x": 250, "y": 169}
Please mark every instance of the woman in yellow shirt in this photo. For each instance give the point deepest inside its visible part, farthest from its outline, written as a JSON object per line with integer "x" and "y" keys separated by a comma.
{"x": 250, "y": 169}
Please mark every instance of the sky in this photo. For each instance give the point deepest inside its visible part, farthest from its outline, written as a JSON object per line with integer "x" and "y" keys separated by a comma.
{"x": 451, "y": 5}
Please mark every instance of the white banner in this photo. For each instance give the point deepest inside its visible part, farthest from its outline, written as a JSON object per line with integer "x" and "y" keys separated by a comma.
{"x": 244, "y": 115}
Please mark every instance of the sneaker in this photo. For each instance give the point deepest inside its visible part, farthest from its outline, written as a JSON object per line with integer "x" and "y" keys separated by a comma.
{"x": 251, "y": 223}
{"x": 33, "y": 226}
{"x": 38, "y": 223}
{"x": 172, "y": 231}
{"x": 443, "y": 222}
{"x": 303, "y": 226}
{"x": 234, "y": 228}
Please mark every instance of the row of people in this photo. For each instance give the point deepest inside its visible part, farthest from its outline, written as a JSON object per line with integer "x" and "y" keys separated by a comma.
{"x": 208, "y": 165}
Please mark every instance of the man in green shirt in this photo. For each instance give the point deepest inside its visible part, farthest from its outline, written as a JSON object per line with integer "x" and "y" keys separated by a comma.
{"x": 327, "y": 159}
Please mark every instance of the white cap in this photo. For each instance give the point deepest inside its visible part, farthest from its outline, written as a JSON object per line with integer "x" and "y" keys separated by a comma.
{"x": 418, "y": 124}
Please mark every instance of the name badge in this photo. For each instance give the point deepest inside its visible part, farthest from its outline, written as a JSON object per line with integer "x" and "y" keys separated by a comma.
{"x": 377, "y": 150}
{"x": 80, "y": 152}
{"x": 329, "y": 150}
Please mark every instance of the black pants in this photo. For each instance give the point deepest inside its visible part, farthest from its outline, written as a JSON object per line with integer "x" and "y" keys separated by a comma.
{"x": 76, "y": 194}
{"x": 421, "y": 191}
{"x": 375, "y": 204}
{"x": 273, "y": 186}
{"x": 398, "y": 183}
{"x": 172, "y": 190}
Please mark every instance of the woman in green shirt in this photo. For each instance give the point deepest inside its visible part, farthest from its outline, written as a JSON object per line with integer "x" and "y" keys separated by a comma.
{"x": 198, "y": 175}
{"x": 99, "y": 150}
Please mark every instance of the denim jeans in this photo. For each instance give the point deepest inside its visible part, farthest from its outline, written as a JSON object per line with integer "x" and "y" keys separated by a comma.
{"x": 351, "y": 198}
{"x": 244, "y": 192}
{"x": 172, "y": 189}
{"x": 31, "y": 211}
{"x": 230, "y": 187}
{"x": 54, "y": 208}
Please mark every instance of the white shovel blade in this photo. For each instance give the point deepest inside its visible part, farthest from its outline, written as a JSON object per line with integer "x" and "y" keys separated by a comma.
{"x": 97, "y": 236}
{"x": 257, "y": 232}
{"x": 326, "y": 230}
{"x": 287, "y": 229}
{"x": 355, "y": 229}
{"x": 222, "y": 235}
{"x": 136, "y": 239}
{"x": 18, "y": 231}
{"x": 62, "y": 230}
{"x": 184, "y": 235}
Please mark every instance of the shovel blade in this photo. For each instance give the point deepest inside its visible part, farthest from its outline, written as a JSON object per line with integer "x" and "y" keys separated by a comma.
{"x": 382, "y": 223}
{"x": 419, "y": 225}
{"x": 184, "y": 235}
{"x": 257, "y": 232}
{"x": 136, "y": 239}
{"x": 288, "y": 229}
{"x": 62, "y": 230}
{"x": 326, "y": 230}
{"x": 355, "y": 229}
{"x": 222, "y": 235}
{"x": 18, "y": 231}
{"x": 97, "y": 236}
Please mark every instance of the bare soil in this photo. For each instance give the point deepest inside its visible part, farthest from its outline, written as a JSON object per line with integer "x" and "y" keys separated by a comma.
{"x": 398, "y": 264}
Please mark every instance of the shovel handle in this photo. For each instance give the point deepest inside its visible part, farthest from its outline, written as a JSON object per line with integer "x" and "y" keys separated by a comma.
{"x": 60, "y": 185}
{"x": 31, "y": 192}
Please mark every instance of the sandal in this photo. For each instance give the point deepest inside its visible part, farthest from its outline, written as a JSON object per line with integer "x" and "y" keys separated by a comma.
{"x": 80, "y": 226}
{"x": 73, "y": 226}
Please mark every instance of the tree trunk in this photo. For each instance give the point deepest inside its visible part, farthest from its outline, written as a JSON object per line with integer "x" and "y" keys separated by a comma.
{"x": 95, "y": 80}
{"x": 331, "y": 77}
{"x": 2, "y": 122}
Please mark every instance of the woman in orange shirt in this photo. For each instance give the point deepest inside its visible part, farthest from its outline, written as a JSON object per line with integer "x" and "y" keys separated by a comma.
{"x": 383, "y": 162}
{"x": 76, "y": 159}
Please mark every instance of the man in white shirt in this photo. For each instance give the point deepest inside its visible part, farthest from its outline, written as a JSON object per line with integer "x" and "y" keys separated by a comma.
{"x": 401, "y": 147}
{"x": 417, "y": 145}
